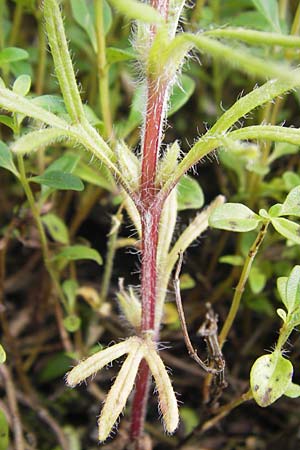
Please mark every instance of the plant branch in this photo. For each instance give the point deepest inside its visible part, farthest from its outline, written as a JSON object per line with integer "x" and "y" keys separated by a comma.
{"x": 241, "y": 284}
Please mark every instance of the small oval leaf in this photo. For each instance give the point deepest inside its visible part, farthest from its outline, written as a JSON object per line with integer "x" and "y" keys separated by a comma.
{"x": 270, "y": 377}
{"x": 22, "y": 85}
{"x": 72, "y": 323}
{"x": 234, "y": 217}
{"x": 56, "y": 228}
{"x": 288, "y": 229}
{"x": 189, "y": 194}
{"x": 291, "y": 205}
{"x": 293, "y": 390}
{"x": 293, "y": 290}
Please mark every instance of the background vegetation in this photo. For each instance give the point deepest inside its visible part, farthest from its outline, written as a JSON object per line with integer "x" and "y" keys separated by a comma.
{"x": 48, "y": 322}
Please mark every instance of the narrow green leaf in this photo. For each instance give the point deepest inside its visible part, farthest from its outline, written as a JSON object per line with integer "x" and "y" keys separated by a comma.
{"x": 291, "y": 205}
{"x": 290, "y": 230}
{"x": 269, "y": 9}
{"x": 95, "y": 175}
{"x": 4, "y": 431}
{"x": 76, "y": 252}
{"x": 84, "y": 17}
{"x": 293, "y": 290}
{"x": 10, "y": 54}
{"x": 181, "y": 93}
{"x": 66, "y": 163}
{"x": 234, "y": 217}
{"x": 189, "y": 194}
{"x": 59, "y": 180}
{"x": 6, "y": 160}
{"x": 270, "y": 377}
{"x": 70, "y": 288}
{"x": 137, "y": 11}
{"x": 56, "y": 228}
{"x": 281, "y": 286}
{"x": 22, "y": 85}
{"x": 293, "y": 390}
{"x": 114, "y": 55}
{"x": 34, "y": 140}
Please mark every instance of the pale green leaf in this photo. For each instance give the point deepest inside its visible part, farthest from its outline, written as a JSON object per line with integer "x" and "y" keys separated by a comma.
{"x": 77, "y": 252}
{"x": 275, "y": 210}
{"x": 6, "y": 160}
{"x": 56, "y": 228}
{"x": 2, "y": 355}
{"x": 22, "y": 85}
{"x": 35, "y": 140}
{"x": 72, "y": 323}
{"x": 282, "y": 314}
{"x": 59, "y": 180}
{"x": 293, "y": 290}
{"x": 293, "y": 390}
{"x": 281, "y": 286}
{"x": 189, "y": 194}
{"x": 234, "y": 217}
{"x": 270, "y": 377}
{"x": 290, "y": 230}
{"x": 291, "y": 205}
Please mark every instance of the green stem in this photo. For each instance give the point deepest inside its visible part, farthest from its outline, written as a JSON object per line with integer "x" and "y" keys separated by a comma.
{"x": 111, "y": 251}
{"x": 15, "y": 30}
{"x": 44, "y": 244}
{"x": 103, "y": 69}
{"x": 241, "y": 284}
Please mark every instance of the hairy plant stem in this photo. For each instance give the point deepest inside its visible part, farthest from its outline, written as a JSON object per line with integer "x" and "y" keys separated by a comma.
{"x": 150, "y": 211}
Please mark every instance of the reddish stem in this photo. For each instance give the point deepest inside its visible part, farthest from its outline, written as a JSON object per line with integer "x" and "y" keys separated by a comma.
{"x": 150, "y": 210}
{"x": 139, "y": 403}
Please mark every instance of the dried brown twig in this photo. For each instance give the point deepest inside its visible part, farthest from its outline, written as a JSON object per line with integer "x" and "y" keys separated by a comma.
{"x": 209, "y": 330}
